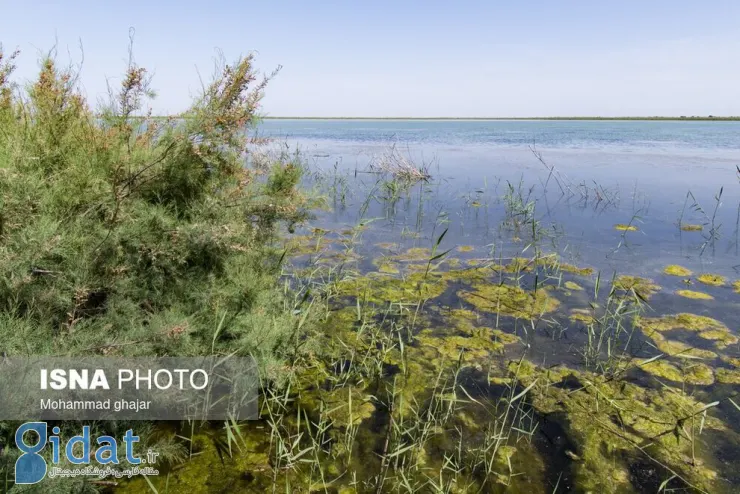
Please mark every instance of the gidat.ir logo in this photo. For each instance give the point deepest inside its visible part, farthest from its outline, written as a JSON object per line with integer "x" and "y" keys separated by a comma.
{"x": 31, "y": 467}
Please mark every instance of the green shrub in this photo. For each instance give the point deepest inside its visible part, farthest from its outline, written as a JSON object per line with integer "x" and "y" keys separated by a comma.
{"x": 123, "y": 234}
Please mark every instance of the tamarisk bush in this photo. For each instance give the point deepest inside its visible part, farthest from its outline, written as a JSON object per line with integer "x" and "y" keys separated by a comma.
{"x": 126, "y": 234}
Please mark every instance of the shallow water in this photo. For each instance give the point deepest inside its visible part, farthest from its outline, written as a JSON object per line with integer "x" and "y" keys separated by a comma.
{"x": 608, "y": 173}
{"x": 646, "y": 168}
{"x": 498, "y": 202}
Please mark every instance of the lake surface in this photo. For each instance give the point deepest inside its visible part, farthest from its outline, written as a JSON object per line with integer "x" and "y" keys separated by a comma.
{"x": 507, "y": 191}
{"x": 646, "y": 168}
{"x": 474, "y": 331}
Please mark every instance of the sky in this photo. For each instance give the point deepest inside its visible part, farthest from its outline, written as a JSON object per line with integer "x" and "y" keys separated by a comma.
{"x": 482, "y": 58}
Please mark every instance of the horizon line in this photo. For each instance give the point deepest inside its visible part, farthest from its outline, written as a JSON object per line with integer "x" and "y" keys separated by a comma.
{"x": 682, "y": 117}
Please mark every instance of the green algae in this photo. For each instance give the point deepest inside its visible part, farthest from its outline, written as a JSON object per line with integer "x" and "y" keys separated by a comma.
{"x": 387, "y": 245}
{"x": 684, "y": 320}
{"x": 611, "y": 423}
{"x": 450, "y": 348}
{"x": 386, "y": 265}
{"x": 692, "y": 294}
{"x": 453, "y": 262}
{"x": 676, "y": 270}
{"x": 625, "y": 228}
{"x": 336, "y": 404}
{"x": 734, "y": 362}
{"x": 653, "y": 327}
{"x": 520, "y": 264}
{"x": 414, "y": 254}
{"x": 712, "y": 279}
{"x": 728, "y": 376}
{"x": 509, "y": 300}
{"x": 721, "y": 339}
{"x": 694, "y": 373}
{"x": 736, "y": 286}
{"x": 680, "y": 349}
{"x": 571, "y": 285}
{"x": 380, "y": 290}
{"x": 465, "y": 248}
{"x": 582, "y": 315}
{"x": 465, "y": 321}
{"x": 570, "y": 268}
{"x": 208, "y": 471}
{"x": 691, "y": 228}
{"x": 643, "y": 287}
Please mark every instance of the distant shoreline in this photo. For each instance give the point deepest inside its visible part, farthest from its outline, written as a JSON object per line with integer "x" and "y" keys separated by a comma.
{"x": 676, "y": 119}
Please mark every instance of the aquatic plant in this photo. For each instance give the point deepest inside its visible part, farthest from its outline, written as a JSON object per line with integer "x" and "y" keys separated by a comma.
{"x": 691, "y": 228}
{"x": 728, "y": 376}
{"x": 509, "y": 300}
{"x": 694, "y": 294}
{"x": 625, "y": 228}
{"x": 691, "y": 373}
{"x": 712, "y": 279}
{"x": 642, "y": 287}
{"x": 399, "y": 167}
{"x": 582, "y": 315}
{"x": 675, "y": 270}
{"x": 613, "y": 425}
{"x": 684, "y": 320}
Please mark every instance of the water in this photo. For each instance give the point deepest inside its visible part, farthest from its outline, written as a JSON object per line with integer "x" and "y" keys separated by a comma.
{"x": 488, "y": 191}
{"x": 647, "y": 168}
{"x": 495, "y": 198}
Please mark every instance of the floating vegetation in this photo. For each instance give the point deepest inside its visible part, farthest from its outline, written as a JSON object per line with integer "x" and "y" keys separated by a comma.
{"x": 712, "y": 279}
{"x": 691, "y": 322}
{"x": 582, "y": 315}
{"x": 691, "y": 228}
{"x": 387, "y": 245}
{"x": 728, "y": 376}
{"x": 722, "y": 339}
{"x": 675, "y": 348}
{"x": 706, "y": 327}
{"x": 465, "y": 248}
{"x": 520, "y": 264}
{"x": 736, "y": 286}
{"x": 380, "y": 290}
{"x": 337, "y": 402}
{"x": 693, "y": 373}
{"x": 571, "y": 285}
{"x": 509, "y": 300}
{"x": 455, "y": 347}
{"x": 675, "y": 270}
{"x": 614, "y": 424}
{"x": 570, "y": 268}
{"x": 625, "y": 228}
{"x": 386, "y": 265}
{"x": 694, "y": 294}
{"x": 414, "y": 254}
{"x": 643, "y": 287}
{"x": 735, "y": 362}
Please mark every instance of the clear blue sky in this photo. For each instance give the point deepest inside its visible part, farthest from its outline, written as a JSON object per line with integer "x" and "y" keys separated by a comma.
{"x": 411, "y": 58}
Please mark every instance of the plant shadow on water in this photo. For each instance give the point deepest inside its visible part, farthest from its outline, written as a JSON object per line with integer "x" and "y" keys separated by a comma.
{"x": 465, "y": 341}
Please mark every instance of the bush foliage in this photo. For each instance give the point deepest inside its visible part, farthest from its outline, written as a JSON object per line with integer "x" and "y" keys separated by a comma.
{"x": 123, "y": 234}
